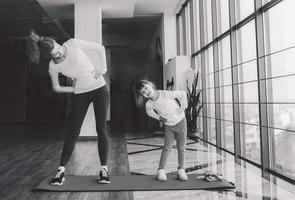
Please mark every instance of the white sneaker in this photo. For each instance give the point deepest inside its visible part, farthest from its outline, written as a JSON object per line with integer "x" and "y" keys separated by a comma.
{"x": 181, "y": 175}
{"x": 162, "y": 175}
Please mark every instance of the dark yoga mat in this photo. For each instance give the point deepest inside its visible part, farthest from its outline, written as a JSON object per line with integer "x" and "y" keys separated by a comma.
{"x": 131, "y": 183}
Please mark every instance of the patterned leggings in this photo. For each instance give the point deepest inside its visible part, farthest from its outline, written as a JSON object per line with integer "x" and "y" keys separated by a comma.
{"x": 179, "y": 133}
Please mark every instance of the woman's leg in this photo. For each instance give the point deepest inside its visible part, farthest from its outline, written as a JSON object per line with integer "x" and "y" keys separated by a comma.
{"x": 101, "y": 105}
{"x": 80, "y": 106}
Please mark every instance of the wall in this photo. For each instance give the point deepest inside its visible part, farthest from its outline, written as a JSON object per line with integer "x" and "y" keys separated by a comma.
{"x": 13, "y": 87}
{"x": 127, "y": 67}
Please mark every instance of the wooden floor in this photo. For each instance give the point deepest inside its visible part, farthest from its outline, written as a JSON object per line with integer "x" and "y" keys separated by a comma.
{"x": 26, "y": 157}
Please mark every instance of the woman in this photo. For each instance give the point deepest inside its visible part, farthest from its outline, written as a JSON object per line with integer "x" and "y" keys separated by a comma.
{"x": 89, "y": 87}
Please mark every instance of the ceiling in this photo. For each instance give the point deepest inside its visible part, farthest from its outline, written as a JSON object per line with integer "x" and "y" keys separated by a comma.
{"x": 112, "y": 8}
{"x": 125, "y": 22}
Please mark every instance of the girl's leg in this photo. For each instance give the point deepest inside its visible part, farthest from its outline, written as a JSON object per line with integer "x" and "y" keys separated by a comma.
{"x": 181, "y": 135}
{"x": 101, "y": 105}
{"x": 169, "y": 139}
{"x": 80, "y": 106}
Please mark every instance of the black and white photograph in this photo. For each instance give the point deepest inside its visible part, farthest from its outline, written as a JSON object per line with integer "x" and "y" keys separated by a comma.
{"x": 147, "y": 99}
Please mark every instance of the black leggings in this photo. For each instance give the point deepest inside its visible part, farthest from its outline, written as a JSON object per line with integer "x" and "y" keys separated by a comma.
{"x": 100, "y": 99}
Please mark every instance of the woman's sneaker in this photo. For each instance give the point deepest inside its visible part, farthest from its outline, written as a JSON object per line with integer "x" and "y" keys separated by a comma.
{"x": 103, "y": 177}
{"x": 161, "y": 175}
{"x": 182, "y": 175}
{"x": 59, "y": 178}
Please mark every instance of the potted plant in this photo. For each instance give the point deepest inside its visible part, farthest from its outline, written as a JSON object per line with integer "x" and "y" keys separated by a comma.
{"x": 194, "y": 105}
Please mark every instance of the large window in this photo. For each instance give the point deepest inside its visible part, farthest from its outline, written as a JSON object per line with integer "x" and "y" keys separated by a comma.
{"x": 210, "y": 95}
{"x": 225, "y": 84}
{"x": 248, "y": 78}
{"x": 280, "y": 74}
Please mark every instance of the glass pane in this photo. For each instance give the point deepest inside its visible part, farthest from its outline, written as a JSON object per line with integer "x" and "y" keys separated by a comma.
{"x": 196, "y": 22}
{"x": 281, "y": 89}
{"x": 281, "y": 64}
{"x": 250, "y": 142}
{"x": 211, "y": 130}
{"x": 207, "y": 21}
{"x": 210, "y": 96}
{"x": 249, "y": 113}
{"x": 226, "y": 94}
{"x": 198, "y": 63}
{"x": 188, "y": 29}
{"x": 210, "y": 81}
{"x": 222, "y": 16}
{"x": 180, "y": 34}
{"x": 227, "y": 135}
{"x": 282, "y": 116}
{"x": 226, "y": 111}
{"x": 209, "y": 61}
{"x": 225, "y": 77}
{"x": 283, "y": 145}
{"x": 224, "y": 53}
{"x": 246, "y": 40}
{"x": 200, "y": 126}
{"x": 247, "y": 72}
{"x": 211, "y": 110}
{"x": 244, "y": 8}
{"x": 249, "y": 92}
{"x": 280, "y": 26}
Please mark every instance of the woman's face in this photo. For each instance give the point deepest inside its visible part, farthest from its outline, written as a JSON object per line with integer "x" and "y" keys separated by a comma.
{"x": 57, "y": 51}
{"x": 148, "y": 91}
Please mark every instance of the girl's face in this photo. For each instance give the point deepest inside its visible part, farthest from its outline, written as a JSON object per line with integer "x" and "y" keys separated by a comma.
{"x": 148, "y": 91}
{"x": 57, "y": 51}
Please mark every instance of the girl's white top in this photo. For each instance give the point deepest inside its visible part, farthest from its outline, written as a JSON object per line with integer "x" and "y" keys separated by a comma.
{"x": 78, "y": 66}
{"x": 166, "y": 106}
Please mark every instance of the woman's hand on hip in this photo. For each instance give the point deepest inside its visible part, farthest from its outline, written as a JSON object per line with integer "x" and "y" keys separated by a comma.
{"x": 74, "y": 81}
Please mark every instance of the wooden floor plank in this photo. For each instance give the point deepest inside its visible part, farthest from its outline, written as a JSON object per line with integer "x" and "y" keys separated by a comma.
{"x": 26, "y": 159}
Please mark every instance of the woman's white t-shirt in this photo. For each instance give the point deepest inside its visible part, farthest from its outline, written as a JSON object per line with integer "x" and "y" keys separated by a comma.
{"x": 78, "y": 66}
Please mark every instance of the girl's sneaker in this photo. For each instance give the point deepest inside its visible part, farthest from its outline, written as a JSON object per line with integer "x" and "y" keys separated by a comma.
{"x": 59, "y": 178}
{"x": 181, "y": 175}
{"x": 161, "y": 175}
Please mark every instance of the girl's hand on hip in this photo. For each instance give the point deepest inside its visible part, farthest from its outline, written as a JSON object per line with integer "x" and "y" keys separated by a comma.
{"x": 163, "y": 119}
{"x": 96, "y": 74}
{"x": 179, "y": 111}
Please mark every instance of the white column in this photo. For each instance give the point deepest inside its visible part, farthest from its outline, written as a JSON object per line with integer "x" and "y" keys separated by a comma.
{"x": 88, "y": 22}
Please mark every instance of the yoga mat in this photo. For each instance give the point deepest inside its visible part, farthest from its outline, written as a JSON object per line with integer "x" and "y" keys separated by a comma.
{"x": 131, "y": 183}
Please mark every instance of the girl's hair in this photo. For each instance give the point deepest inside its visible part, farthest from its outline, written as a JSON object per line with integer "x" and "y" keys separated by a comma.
{"x": 137, "y": 87}
{"x": 35, "y": 43}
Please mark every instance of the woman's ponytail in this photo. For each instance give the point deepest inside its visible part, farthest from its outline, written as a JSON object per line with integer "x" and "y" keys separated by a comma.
{"x": 37, "y": 45}
{"x": 33, "y": 50}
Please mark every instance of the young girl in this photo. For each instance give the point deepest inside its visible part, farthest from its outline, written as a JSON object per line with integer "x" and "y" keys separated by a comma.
{"x": 90, "y": 87}
{"x": 163, "y": 106}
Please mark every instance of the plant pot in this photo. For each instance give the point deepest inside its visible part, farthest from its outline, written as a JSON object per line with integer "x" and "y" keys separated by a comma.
{"x": 193, "y": 134}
